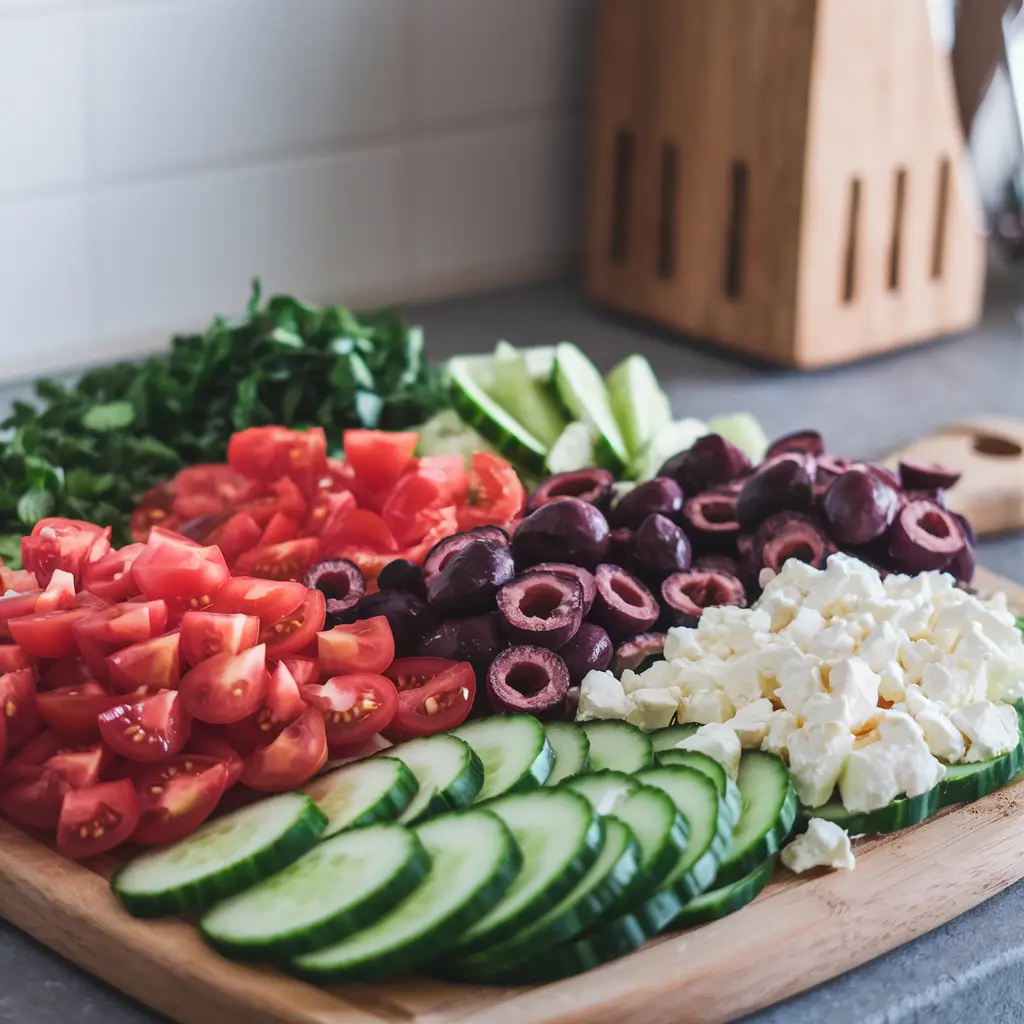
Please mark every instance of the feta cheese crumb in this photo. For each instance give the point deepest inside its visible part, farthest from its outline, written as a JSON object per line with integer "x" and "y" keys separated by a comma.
{"x": 823, "y": 845}
{"x": 782, "y": 725}
{"x": 817, "y": 754}
{"x": 653, "y": 709}
{"x": 602, "y": 696}
{"x": 991, "y": 729}
{"x": 751, "y": 723}
{"x": 719, "y": 742}
{"x": 942, "y": 736}
{"x": 705, "y": 707}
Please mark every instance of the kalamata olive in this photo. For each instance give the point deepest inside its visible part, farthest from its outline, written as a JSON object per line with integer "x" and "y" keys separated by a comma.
{"x": 884, "y": 474}
{"x": 543, "y": 609}
{"x": 859, "y": 506}
{"x": 585, "y": 577}
{"x": 623, "y": 605}
{"x": 341, "y": 582}
{"x": 638, "y": 652}
{"x": 527, "y": 679}
{"x": 777, "y": 485}
{"x": 710, "y": 461}
{"x": 470, "y": 579}
{"x": 926, "y": 476}
{"x": 936, "y": 494}
{"x": 787, "y": 535}
{"x": 590, "y": 649}
{"x": 709, "y": 520}
{"x": 659, "y": 549}
{"x": 961, "y": 568}
{"x": 591, "y": 485}
{"x": 804, "y": 442}
{"x": 826, "y": 469}
{"x": 718, "y": 563}
{"x": 924, "y": 536}
{"x": 686, "y": 594}
{"x": 447, "y": 548}
{"x": 620, "y": 547}
{"x": 409, "y": 616}
{"x": 661, "y": 494}
{"x": 477, "y": 639}
{"x": 571, "y": 704}
{"x": 968, "y": 531}
{"x": 564, "y": 530}
{"x": 401, "y": 574}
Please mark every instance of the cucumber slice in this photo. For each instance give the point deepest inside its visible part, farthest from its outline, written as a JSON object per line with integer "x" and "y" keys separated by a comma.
{"x": 618, "y": 745}
{"x": 727, "y": 899}
{"x": 640, "y": 406}
{"x": 572, "y": 751}
{"x": 515, "y": 389}
{"x": 670, "y": 440}
{"x": 446, "y": 434}
{"x": 583, "y": 392}
{"x": 473, "y": 861}
{"x": 727, "y": 789}
{"x": 742, "y": 430}
{"x": 770, "y": 808}
{"x": 222, "y": 857}
{"x": 343, "y": 884}
{"x": 560, "y": 837}
{"x": 573, "y": 450}
{"x": 901, "y": 813}
{"x": 514, "y": 751}
{"x": 604, "y": 789}
{"x": 667, "y": 738}
{"x": 364, "y": 793}
{"x": 471, "y": 401}
{"x": 971, "y": 781}
{"x": 611, "y": 874}
{"x": 447, "y": 771}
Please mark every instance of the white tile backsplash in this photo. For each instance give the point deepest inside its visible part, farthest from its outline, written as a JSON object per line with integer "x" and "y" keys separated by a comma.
{"x": 157, "y": 154}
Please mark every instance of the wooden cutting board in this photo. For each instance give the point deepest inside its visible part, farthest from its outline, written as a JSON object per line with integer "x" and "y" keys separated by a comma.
{"x": 798, "y": 933}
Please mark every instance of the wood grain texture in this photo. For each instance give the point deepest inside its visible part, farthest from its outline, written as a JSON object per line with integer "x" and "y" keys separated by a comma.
{"x": 798, "y": 933}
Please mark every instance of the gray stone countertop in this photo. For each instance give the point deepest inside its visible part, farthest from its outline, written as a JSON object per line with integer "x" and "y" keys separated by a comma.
{"x": 971, "y": 971}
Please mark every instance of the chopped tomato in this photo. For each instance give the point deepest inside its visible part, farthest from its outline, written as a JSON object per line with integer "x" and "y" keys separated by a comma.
{"x": 268, "y": 600}
{"x": 97, "y": 818}
{"x": 378, "y": 457}
{"x": 175, "y": 798}
{"x": 407, "y": 509}
{"x": 283, "y": 495}
{"x": 282, "y": 704}
{"x": 287, "y": 561}
{"x": 364, "y": 646}
{"x": 262, "y": 452}
{"x": 73, "y": 711}
{"x": 298, "y": 630}
{"x": 175, "y": 568}
{"x": 19, "y": 706}
{"x": 67, "y": 544}
{"x": 59, "y": 593}
{"x": 218, "y": 484}
{"x": 328, "y": 511}
{"x": 153, "y": 510}
{"x": 102, "y": 632}
{"x": 239, "y": 533}
{"x": 297, "y": 754}
{"x": 15, "y": 606}
{"x": 147, "y": 666}
{"x": 354, "y": 708}
{"x": 450, "y": 471}
{"x": 13, "y": 657}
{"x": 48, "y": 634}
{"x": 152, "y": 729}
{"x": 304, "y": 670}
{"x": 434, "y": 695}
{"x": 206, "y": 741}
{"x": 280, "y": 529}
{"x": 18, "y": 580}
{"x": 496, "y": 493}
{"x": 227, "y": 687}
{"x": 204, "y": 634}
{"x": 110, "y": 577}
{"x": 65, "y": 672}
{"x": 360, "y": 530}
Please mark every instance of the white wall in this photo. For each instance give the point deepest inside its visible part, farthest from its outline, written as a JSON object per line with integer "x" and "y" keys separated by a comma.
{"x": 156, "y": 154}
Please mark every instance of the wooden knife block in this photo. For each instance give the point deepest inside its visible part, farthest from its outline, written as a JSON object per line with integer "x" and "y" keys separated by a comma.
{"x": 780, "y": 177}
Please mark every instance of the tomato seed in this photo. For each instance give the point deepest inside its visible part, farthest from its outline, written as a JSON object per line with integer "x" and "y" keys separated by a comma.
{"x": 430, "y": 706}
{"x": 10, "y": 709}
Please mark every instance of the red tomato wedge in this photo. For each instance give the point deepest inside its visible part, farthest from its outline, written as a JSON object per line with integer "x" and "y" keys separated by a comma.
{"x": 297, "y": 631}
{"x": 103, "y": 632}
{"x": 206, "y": 741}
{"x": 146, "y": 667}
{"x": 407, "y": 509}
{"x": 239, "y": 533}
{"x": 354, "y": 708}
{"x": 496, "y": 494}
{"x": 282, "y": 496}
{"x": 218, "y": 485}
{"x": 17, "y": 579}
{"x": 153, "y": 510}
{"x": 451, "y": 472}
{"x": 304, "y": 670}
{"x": 19, "y": 706}
{"x": 227, "y": 687}
{"x": 48, "y": 634}
{"x": 150, "y": 730}
{"x": 434, "y": 695}
{"x": 173, "y": 568}
{"x": 378, "y": 457}
{"x": 287, "y": 561}
{"x": 13, "y": 657}
{"x": 59, "y": 594}
{"x": 271, "y": 452}
{"x": 16, "y": 606}
{"x": 360, "y": 530}
{"x": 110, "y": 577}
{"x": 65, "y": 672}
{"x": 328, "y": 511}
{"x": 73, "y": 711}
{"x": 97, "y": 818}
{"x": 175, "y": 798}
{"x": 204, "y": 634}
{"x": 364, "y": 646}
{"x": 282, "y": 704}
{"x": 63, "y": 544}
{"x": 268, "y": 600}
{"x": 280, "y": 529}
{"x": 297, "y": 754}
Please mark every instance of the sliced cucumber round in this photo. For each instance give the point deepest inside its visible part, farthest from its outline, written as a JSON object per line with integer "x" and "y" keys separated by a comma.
{"x": 727, "y": 789}
{"x": 604, "y": 789}
{"x": 572, "y": 751}
{"x": 770, "y": 807}
{"x": 618, "y": 745}
{"x": 222, "y": 857}
{"x": 363, "y": 793}
{"x": 901, "y": 813}
{"x": 343, "y": 884}
{"x": 514, "y": 751}
{"x": 560, "y": 837}
{"x": 639, "y": 403}
{"x": 727, "y": 899}
{"x": 473, "y": 861}
{"x": 609, "y": 876}
{"x": 965, "y": 782}
{"x": 447, "y": 771}
{"x": 522, "y": 396}
{"x": 667, "y": 738}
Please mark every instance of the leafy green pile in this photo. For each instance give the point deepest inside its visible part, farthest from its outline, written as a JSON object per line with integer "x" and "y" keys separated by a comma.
{"x": 91, "y": 450}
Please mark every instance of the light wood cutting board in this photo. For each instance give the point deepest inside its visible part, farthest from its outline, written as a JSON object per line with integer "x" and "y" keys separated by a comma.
{"x": 798, "y": 933}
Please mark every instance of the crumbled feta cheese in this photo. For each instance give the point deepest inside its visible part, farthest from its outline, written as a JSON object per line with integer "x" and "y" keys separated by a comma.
{"x": 816, "y": 757}
{"x": 705, "y": 706}
{"x": 602, "y": 696}
{"x": 832, "y": 643}
{"x": 782, "y": 725}
{"x": 719, "y": 742}
{"x": 892, "y": 682}
{"x": 853, "y": 682}
{"x": 942, "y": 736}
{"x": 805, "y": 626}
{"x": 681, "y": 643}
{"x": 948, "y": 687}
{"x": 798, "y": 683}
{"x": 742, "y": 681}
{"x": 992, "y": 729}
{"x": 659, "y": 676}
{"x": 823, "y": 845}
{"x": 880, "y": 647}
{"x": 654, "y": 709}
{"x": 751, "y": 723}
